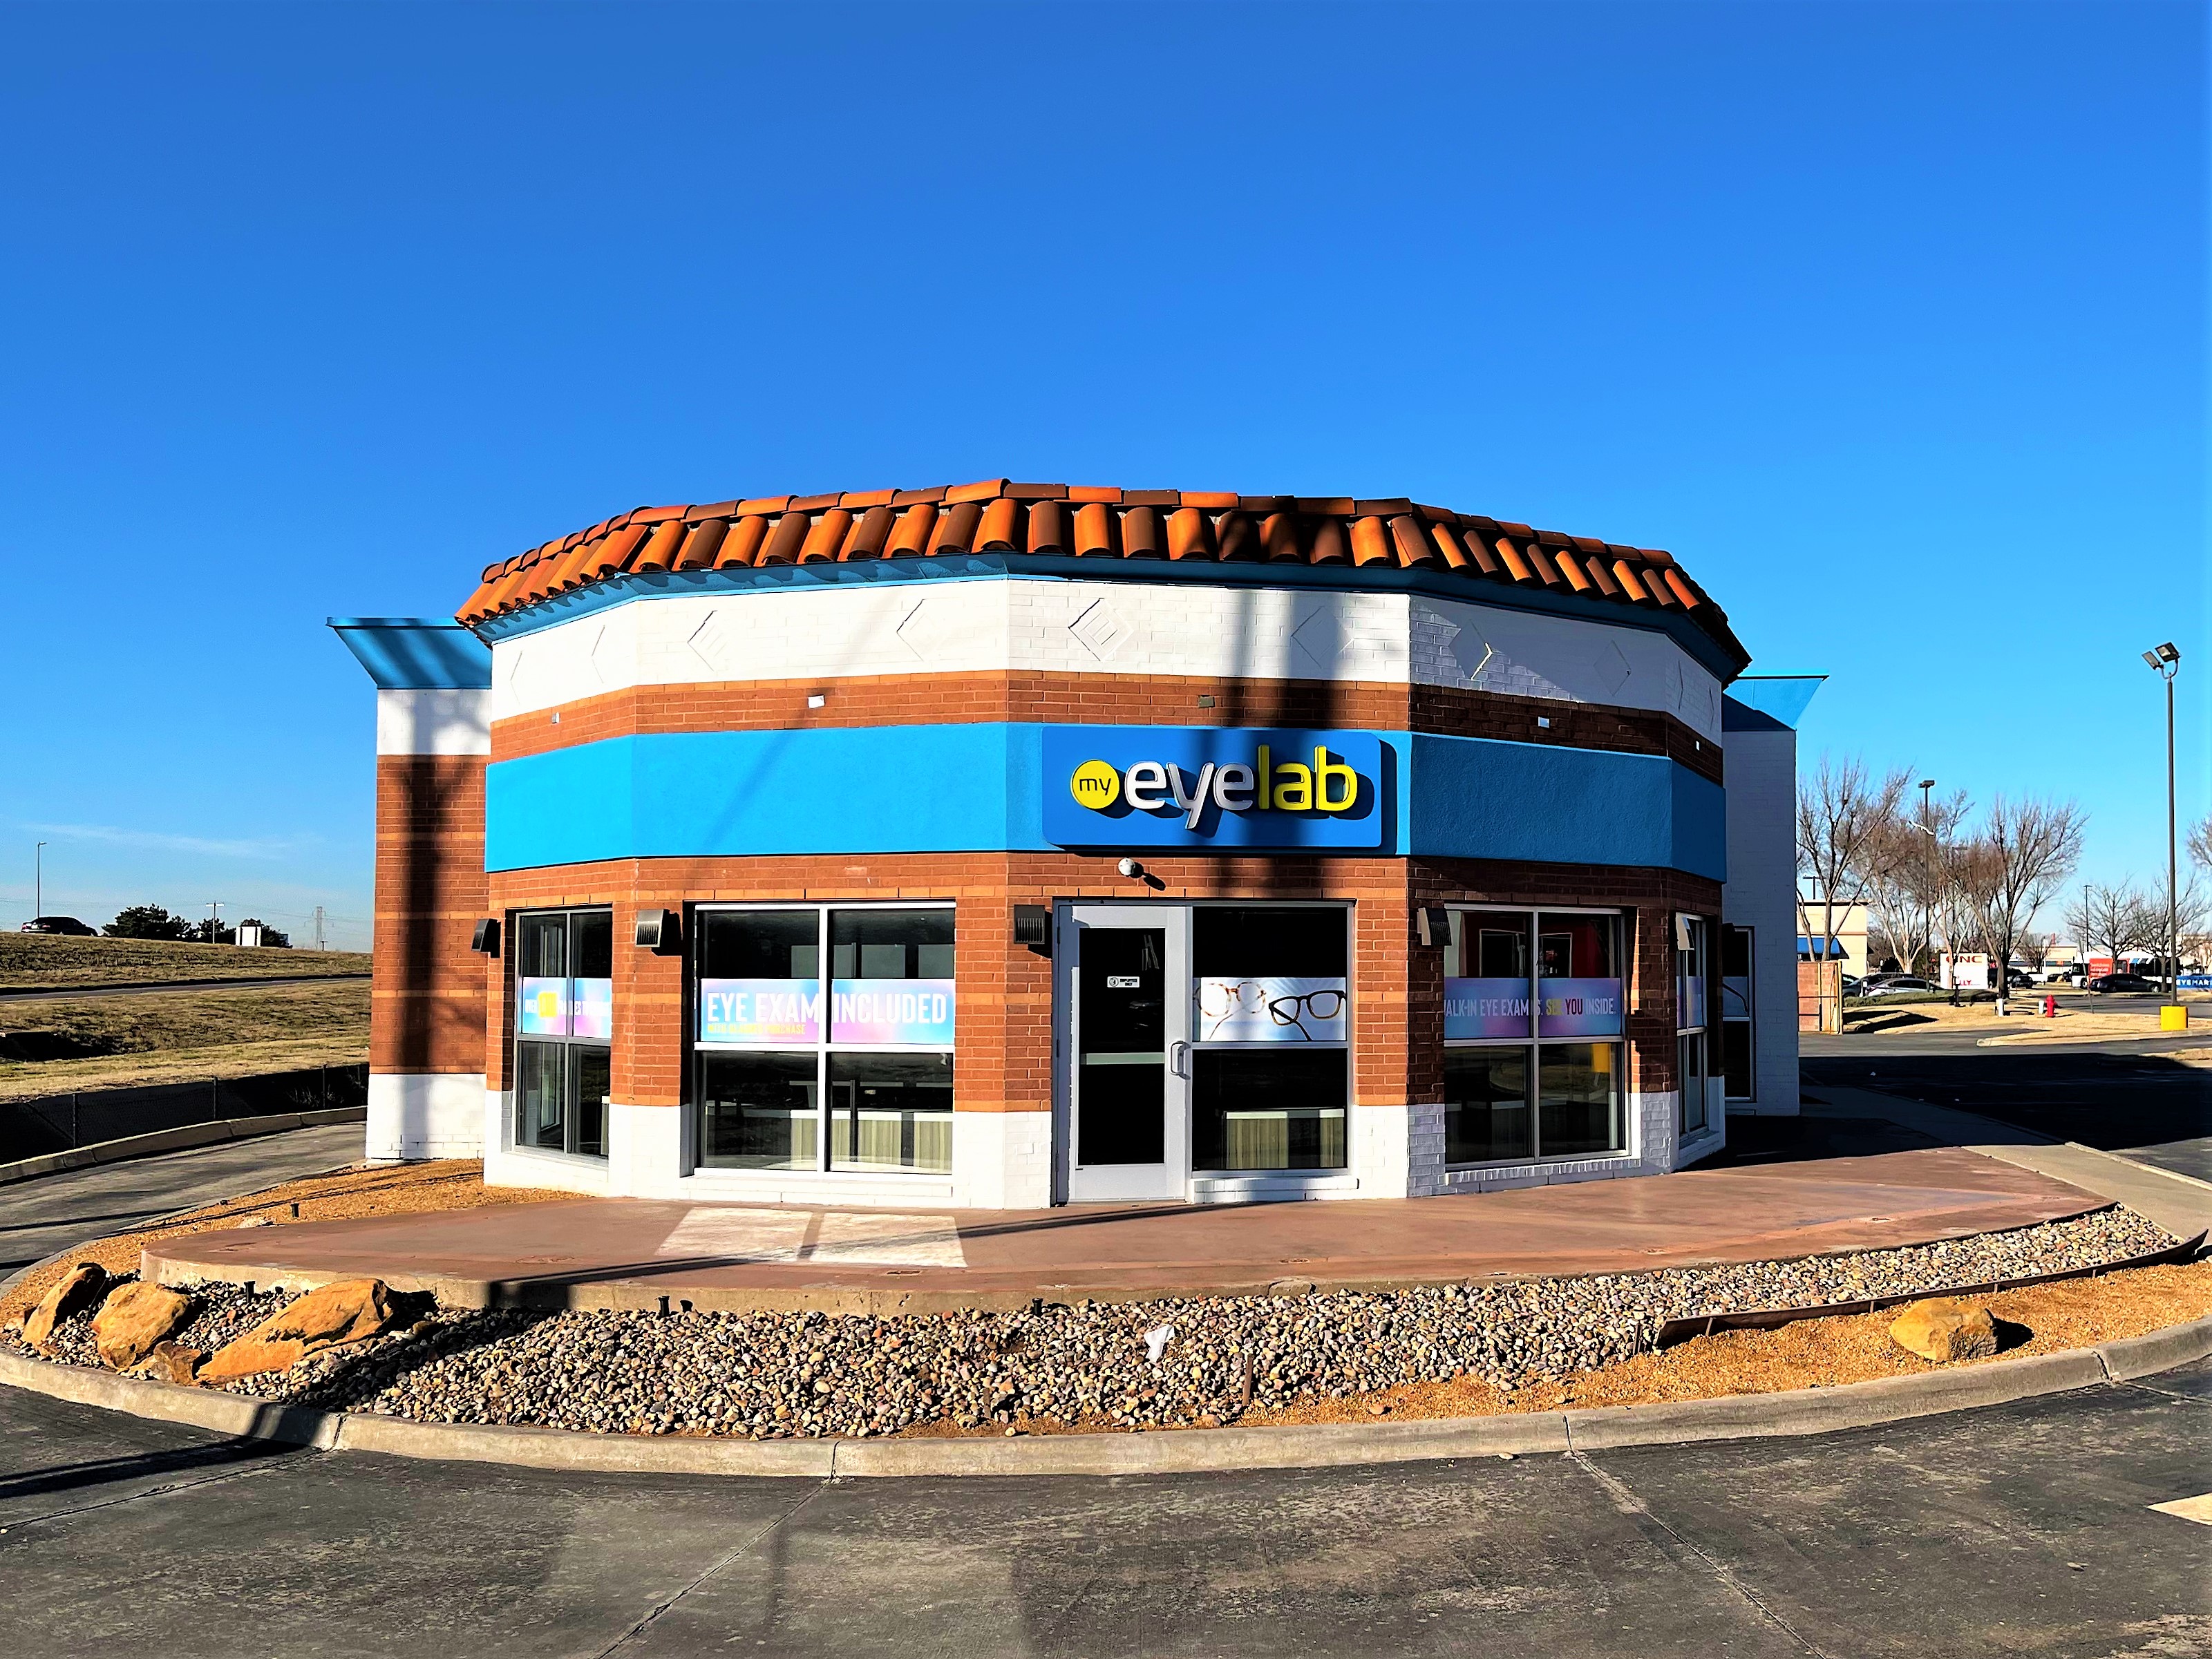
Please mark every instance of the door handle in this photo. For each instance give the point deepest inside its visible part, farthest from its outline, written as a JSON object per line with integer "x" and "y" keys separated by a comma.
{"x": 1177, "y": 1053}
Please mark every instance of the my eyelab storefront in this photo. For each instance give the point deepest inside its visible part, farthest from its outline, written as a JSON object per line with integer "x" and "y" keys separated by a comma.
{"x": 1010, "y": 845}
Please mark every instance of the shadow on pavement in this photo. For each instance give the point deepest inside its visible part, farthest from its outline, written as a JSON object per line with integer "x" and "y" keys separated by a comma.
{"x": 2112, "y": 1102}
{"x": 139, "y": 1466}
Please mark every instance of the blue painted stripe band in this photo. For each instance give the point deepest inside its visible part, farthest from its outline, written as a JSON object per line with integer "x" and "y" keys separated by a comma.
{"x": 982, "y": 788}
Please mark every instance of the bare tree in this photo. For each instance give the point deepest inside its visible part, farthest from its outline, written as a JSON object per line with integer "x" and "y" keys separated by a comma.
{"x": 2200, "y": 842}
{"x": 2031, "y": 846}
{"x": 1841, "y": 816}
{"x": 2112, "y": 919}
{"x": 2035, "y": 948}
{"x": 1906, "y": 876}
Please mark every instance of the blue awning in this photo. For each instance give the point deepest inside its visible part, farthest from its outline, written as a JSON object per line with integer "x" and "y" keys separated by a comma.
{"x": 1807, "y": 953}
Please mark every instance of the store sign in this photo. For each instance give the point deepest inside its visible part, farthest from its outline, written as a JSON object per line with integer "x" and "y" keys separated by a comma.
{"x": 541, "y": 1007}
{"x": 1477, "y": 1008}
{"x": 766, "y": 1012}
{"x": 1966, "y": 970}
{"x": 1271, "y": 1010}
{"x": 1578, "y": 1008}
{"x": 1207, "y": 787}
{"x": 900, "y": 1011}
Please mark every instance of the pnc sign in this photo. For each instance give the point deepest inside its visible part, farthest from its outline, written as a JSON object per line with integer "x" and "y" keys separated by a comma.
{"x": 1167, "y": 786}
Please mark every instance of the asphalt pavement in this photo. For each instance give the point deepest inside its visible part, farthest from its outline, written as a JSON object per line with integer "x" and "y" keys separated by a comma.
{"x": 41, "y": 1216}
{"x": 2133, "y": 1097}
{"x": 2016, "y": 1530}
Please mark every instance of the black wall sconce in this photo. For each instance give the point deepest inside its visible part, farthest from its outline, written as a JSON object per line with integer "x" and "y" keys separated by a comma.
{"x": 661, "y": 931}
{"x": 1432, "y": 925}
{"x": 485, "y": 940}
{"x": 1033, "y": 927}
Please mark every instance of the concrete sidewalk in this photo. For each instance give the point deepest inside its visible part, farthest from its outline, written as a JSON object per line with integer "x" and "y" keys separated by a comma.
{"x": 633, "y": 1253}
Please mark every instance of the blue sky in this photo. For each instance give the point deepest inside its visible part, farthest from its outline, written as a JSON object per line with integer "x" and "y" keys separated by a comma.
{"x": 1887, "y": 320}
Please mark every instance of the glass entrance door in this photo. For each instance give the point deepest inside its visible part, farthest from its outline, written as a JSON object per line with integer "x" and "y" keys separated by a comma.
{"x": 1125, "y": 973}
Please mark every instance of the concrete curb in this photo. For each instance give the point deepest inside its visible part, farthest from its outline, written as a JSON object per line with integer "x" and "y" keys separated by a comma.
{"x": 1796, "y": 1412}
{"x": 172, "y": 1140}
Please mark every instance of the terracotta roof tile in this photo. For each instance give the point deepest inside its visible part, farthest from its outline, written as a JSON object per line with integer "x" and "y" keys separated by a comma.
{"x": 1143, "y": 536}
{"x": 1094, "y": 530}
{"x": 700, "y": 547}
{"x": 744, "y": 544}
{"x": 869, "y": 534}
{"x": 910, "y": 535}
{"x": 1190, "y": 535}
{"x": 784, "y": 541}
{"x": 956, "y": 528}
{"x": 1051, "y": 519}
{"x": 1048, "y": 526}
{"x": 1001, "y": 528}
{"x": 660, "y": 547}
{"x": 827, "y": 536}
{"x": 1369, "y": 545}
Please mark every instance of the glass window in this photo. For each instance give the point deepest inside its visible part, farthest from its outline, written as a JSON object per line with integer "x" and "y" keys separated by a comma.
{"x": 1487, "y": 1113}
{"x": 1690, "y": 1061}
{"x": 1579, "y": 993}
{"x": 757, "y": 1111}
{"x": 1268, "y": 1108}
{"x": 1486, "y": 994}
{"x": 1579, "y": 1099}
{"x": 1736, "y": 1039}
{"x": 890, "y": 1112}
{"x": 796, "y": 1075}
{"x": 563, "y": 1024}
{"x": 1690, "y": 968}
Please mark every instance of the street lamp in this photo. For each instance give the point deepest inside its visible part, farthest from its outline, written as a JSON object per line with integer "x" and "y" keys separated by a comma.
{"x": 2165, "y": 662}
{"x": 38, "y": 881}
{"x": 1928, "y": 908}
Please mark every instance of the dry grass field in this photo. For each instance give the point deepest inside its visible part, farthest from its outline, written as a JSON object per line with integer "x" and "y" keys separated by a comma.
{"x": 58, "y": 1045}
{"x": 39, "y": 962}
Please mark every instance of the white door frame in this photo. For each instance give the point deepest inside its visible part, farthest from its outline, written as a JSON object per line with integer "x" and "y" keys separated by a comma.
{"x": 1170, "y": 1178}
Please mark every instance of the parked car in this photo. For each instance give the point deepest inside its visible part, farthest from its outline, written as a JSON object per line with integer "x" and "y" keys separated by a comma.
{"x": 2104, "y": 984}
{"x": 1852, "y": 984}
{"x": 2017, "y": 980}
{"x": 1892, "y": 985}
{"x": 69, "y": 925}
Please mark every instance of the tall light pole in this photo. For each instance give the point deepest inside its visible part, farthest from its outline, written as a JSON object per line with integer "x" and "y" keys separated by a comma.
{"x": 2165, "y": 661}
{"x": 1928, "y": 909}
{"x": 38, "y": 881}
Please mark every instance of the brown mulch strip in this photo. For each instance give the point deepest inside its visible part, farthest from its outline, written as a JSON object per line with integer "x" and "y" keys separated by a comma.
{"x": 342, "y": 1196}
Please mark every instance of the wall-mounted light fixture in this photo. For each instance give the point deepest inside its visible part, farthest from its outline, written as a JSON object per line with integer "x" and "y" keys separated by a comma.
{"x": 661, "y": 931}
{"x": 1432, "y": 925}
{"x": 485, "y": 940}
{"x": 1033, "y": 927}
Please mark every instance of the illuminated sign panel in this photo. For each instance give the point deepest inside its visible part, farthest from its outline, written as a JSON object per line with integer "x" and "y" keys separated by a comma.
{"x": 1207, "y": 787}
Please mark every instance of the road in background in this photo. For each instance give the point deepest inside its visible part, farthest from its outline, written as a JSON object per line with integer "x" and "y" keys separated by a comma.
{"x": 50, "y": 1213}
{"x": 75, "y": 993}
{"x": 2129, "y": 1096}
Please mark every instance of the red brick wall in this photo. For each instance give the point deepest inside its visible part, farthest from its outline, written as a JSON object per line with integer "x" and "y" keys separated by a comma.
{"x": 1004, "y": 1007}
{"x": 1101, "y": 699}
{"x": 427, "y": 991}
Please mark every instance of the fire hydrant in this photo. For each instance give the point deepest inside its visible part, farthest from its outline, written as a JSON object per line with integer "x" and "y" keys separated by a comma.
{"x": 2050, "y": 1007}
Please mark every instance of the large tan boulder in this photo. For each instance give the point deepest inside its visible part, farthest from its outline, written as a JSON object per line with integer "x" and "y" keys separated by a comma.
{"x": 352, "y": 1311}
{"x": 79, "y": 1289}
{"x": 172, "y": 1362}
{"x": 1946, "y": 1330}
{"x": 133, "y": 1318}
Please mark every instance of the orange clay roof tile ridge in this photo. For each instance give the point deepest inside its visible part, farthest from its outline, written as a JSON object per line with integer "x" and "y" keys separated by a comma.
{"x": 1002, "y": 516}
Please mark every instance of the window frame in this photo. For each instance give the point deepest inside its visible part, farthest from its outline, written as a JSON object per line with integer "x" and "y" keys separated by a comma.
{"x": 1532, "y": 1044}
{"x": 567, "y": 1045}
{"x": 824, "y": 1046}
{"x": 1749, "y": 1018}
{"x": 1199, "y": 1045}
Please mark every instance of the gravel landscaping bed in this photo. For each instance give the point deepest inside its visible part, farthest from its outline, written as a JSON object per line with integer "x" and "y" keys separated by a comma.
{"x": 778, "y": 1375}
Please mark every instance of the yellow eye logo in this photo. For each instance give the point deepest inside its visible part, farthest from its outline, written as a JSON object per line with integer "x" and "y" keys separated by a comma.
{"x": 1095, "y": 785}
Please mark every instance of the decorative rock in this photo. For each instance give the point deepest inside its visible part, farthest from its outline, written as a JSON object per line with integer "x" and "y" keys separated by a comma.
{"x": 1946, "y": 1330}
{"x": 78, "y": 1290}
{"x": 351, "y": 1310}
{"x": 172, "y": 1362}
{"x": 134, "y": 1319}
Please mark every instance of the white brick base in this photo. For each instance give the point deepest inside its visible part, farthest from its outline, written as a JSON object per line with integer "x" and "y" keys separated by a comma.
{"x": 424, "y": 1114}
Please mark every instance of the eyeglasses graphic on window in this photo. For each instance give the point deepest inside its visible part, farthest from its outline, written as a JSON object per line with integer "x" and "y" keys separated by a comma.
{"x": 1271, "y": 1011}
